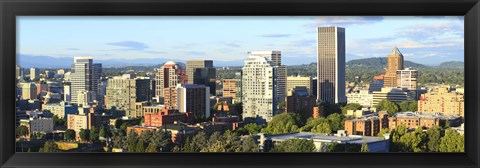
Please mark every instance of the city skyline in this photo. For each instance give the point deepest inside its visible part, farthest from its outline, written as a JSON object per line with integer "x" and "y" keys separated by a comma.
{"x": 183, "y": 38}
{"x": 266, "y": 106}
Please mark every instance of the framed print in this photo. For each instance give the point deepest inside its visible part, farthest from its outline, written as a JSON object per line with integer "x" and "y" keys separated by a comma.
{"x": 239, "y": 83}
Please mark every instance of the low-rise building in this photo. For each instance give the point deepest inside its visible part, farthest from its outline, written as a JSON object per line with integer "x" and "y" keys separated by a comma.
{"x": 442, "y": 99}
{"x": 392, "y": 94}
{"x": 61, "y": 109}
{"x": 300, "y": 103}
{"x": 321, "y": 141}
{"x": 367, "y": 125}
{"x": 38, "y": 124}
{"x": 362, "y": 97}
{"x": 358, "y": 113}
{"x": 414, "y": 120}
{"x": 299, "y": 81}
{"x": 77, "y": 122}
{"x": 167, "y": 116}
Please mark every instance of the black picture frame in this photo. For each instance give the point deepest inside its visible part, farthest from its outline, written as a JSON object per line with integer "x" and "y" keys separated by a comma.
{"x": 9, "y": 9}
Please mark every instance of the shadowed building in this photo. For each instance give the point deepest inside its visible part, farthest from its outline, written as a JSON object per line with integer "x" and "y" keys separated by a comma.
{"x": 202, "y": 72}
{"x": 331, "y": 64}
{"x": 194, "y": 98}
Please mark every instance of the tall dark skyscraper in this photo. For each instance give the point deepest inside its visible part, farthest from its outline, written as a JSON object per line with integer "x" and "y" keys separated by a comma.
{"x": 205, "y": 76}
{"x": 331, "y": 64}
{"x": 201, "y": 72}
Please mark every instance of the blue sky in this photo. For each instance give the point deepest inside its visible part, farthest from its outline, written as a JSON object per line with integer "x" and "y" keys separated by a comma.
{"x": 427, "y": 40}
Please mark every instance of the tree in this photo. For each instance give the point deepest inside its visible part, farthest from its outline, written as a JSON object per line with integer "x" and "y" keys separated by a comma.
{"x": 237, "y": 108}
{"x": 70, "y": 134}
{"x": 452, "y": 142}
{"x": 132, "y": 141}
{"x": 57, "y": 121}
{"x": 404, "y": 141}
{"x": 162, "y": 141}
{"x": 336, "y": 121}
{"x": 413, "y": 106}
{"x": 94, "y": 134}
{"x": 408, "y": 106}
{"x": 283, "y": 123}
{"x": 329, "y": 108}
{"x": 84, "y": 135}
{"x": 188, "y": 147}
{"x": 151, "y": 148}
{"x": 250, "y": 145}
{"x": 146, "y": 136}
{"x": 383, "y": 131}
{"x": 386, "y": 105}
{"x": 140, "y": 147}
{"x": 197, "y": 143}
{"x": 364, "y": 147}
{"x": 102, "y": 132}
{"x": 434, "y": 135}
{"x": 396, "y": 134}
{"x": 404, "y": 106}
{"x": 217, "y": 146}
{"x": 49, "y": 146}
{"x": 295, "y": 145}
{"x": 253, "y": 128}
{"x": 319, "y": 125}
{"x": 22, "y": 130}
{"x": 350, "y": 106}
{"x": 123, "y": 127}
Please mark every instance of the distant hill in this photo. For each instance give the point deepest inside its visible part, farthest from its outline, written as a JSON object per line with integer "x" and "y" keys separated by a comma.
{"x": 28, "y": 61}
{"x": 452, "y": 64}
{"x": 378, "y": 63}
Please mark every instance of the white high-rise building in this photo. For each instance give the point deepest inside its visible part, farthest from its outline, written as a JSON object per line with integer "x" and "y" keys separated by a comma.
{"x": 83, "y": 77}
{"x": 281, "y": 71}
{"x": 331, "y": 64}
{"x": 67, "y": 94}
{"x": 34, "y": 73}
{"x": 29, "y": 91}
{"x": 258, "y": 89}
{"x": 18, "y": 72}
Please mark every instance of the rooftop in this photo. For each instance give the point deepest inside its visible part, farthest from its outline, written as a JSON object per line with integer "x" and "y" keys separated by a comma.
{"x": 318, "y": 137}
{"x": 396, "y": 51}
{"x": 420, "y": 115}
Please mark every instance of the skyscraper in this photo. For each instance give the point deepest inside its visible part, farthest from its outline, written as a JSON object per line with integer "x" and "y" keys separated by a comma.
{"x": 18, "y": 72}
{"x": 201, "y": 72}
{"x": 192, "y": 64}
{"x": 258, "y": 89}
{"x": 394, "y": 63}
{"x": 34, "y": 73}
{"x": 280, "y": 70}
{"x": 97, "y": 74}
{"x": 121, "y": 97}
{"x": 142, "y": 88}
{"x": 29, "y": 91}
{"x": 205, "y": 76}
{"x": 67, "y": 94}
{"x": 195, "y": 99}
{"x": 331, "y": 64}
{"x": 82, "y": 76}
{"x": 166, "y": 77}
